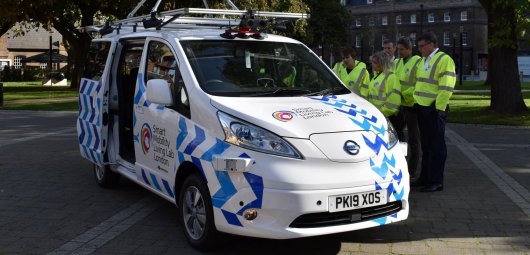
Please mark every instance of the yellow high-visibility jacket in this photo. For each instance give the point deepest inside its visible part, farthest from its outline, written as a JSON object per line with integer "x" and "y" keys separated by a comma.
{"x": 357, "y": 80}
{"x": 436, "y": 82}
{"x": 385, "y": 93}
{"x": 406, "y": 72}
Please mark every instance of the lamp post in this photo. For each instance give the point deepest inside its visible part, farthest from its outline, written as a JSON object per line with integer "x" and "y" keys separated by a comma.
{"x": 50, "y": 51}
{"x": 421, "y": 19}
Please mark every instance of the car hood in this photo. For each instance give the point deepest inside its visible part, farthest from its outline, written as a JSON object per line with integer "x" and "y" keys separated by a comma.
{"x": 300, "y": 117}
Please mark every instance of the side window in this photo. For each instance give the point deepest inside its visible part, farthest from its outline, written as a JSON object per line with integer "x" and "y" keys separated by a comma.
{"x": 96, "y": 59}
{"x": 162, "y": 64}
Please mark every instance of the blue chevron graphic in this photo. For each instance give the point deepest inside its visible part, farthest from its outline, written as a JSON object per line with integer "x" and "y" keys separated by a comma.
{"x": 180, "y": 157}
{"x": 169, "y": 191}
{"x": 390, "y": 190}
{"x": 197, "y": 163}
{"x": 381, "y": 171}
{"x": 199, "y": 138}
{"x": 160, "y": 107}
{"x": 145, "y": 177}
{"x": 399, "y": 195}
{"x": 351, "y": 112}
{"x": 376, "y": 145}
{"x": 391, "y": 161}
{"x": 377, "y": 186}
{"x": 380, "y": 221}
{"x": 339, "y": 104}
{"x": 183, "y": 132}
{"x": 226, "y": 191}
{"x": 155, "y": 181}
{"x": 394, "y": 215}
{"x": 136, "y": 139}
{"x": 256, "y": 183}
{"x": 398, "y": 176}
{"x": 218, "y": 148}
{"x": 82, "y": 135}
{"x": 83, "y": 86}
{"x": 373, "y": 119}
{"x": 231, "y": 218}
{"x": 367, "y": 124}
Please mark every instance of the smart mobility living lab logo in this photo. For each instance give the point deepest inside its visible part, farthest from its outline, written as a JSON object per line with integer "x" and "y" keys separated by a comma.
{"x": 146, "y": 138}
{"x": 283, "y": 115}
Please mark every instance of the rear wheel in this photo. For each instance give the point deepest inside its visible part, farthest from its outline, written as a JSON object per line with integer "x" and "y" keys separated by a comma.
{"x": 196, "y": 214}
{"x": 105, "y": 177}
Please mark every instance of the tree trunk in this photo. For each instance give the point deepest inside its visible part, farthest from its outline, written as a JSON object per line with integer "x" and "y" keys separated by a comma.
{"x": 506, "y": 96}
{"x": 503, "y": 71}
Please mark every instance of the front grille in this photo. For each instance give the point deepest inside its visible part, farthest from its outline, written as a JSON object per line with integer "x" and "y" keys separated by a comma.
{"x": 327, "y": 219}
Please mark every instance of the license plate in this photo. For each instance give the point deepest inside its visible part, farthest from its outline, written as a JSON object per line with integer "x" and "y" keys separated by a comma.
{"x": 357, "y": 200}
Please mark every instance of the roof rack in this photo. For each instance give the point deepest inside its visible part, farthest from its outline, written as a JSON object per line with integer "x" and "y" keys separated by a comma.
{"x": 189, "y": 18}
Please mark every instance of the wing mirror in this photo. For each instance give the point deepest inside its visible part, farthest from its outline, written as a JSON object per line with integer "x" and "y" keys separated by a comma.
{"x": 159, "y": 92}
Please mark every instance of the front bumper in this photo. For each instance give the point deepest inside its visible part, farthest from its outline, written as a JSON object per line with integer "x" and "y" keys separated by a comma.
{"x": 283, "y": 210}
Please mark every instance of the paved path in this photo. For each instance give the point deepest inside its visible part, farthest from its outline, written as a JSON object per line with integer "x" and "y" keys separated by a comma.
{"x": 49, "y": 202}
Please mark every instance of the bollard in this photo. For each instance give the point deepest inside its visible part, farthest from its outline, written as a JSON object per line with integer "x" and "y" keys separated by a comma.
{"x": 1, "y": 94}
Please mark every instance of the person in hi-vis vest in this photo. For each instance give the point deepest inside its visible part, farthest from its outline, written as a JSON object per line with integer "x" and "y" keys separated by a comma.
{"x": 352, "y": 73}
{"x": 435, "y": 81}
{"x": 406, "y": 72}
{"x": 384, "y": 90}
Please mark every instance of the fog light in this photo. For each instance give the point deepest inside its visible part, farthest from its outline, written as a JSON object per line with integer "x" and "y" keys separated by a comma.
{"x": 250, "y": 214}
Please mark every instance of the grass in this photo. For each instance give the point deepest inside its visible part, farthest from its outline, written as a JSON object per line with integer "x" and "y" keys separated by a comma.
{"x": 474, "y": 109}
{"x": 53, "y": 106}
{"x": 479, "y": 85}
{"x": 26, "y": 91}
{"x": 465, "y": 108}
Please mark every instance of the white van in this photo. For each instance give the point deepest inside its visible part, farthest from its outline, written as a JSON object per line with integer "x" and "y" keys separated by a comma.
{"x": 247, "y": 133}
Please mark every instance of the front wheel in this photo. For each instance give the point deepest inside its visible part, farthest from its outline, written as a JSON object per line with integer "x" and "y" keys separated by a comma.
{"x": 196, "y": 214}
{"x": 105, "y": 177}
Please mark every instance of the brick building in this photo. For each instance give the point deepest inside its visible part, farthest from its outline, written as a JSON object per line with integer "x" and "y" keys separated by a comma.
{"x": 460, "y": 25}
{"x": 14, "y": 50}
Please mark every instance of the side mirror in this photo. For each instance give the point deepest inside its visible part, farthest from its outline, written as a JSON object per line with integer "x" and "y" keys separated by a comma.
{"x": 159, "y": 92}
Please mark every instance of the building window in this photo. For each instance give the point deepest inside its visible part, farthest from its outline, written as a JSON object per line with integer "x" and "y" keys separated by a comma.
{"x": 431, "y": 17}
{"x": 371, "y": 21}
{"x": 463, "y": 15}
{"x": 464, "y": 38}
{"x": 17, "y": 62}
{"x": 343, "y": 2}
{"x": 357, "y": 41}
{"x": 384, "y": 21}
{"x": 383, "y": 39}
{"x": 413, "y": 38}
{"x": 447, "y": 17}
{"x": 358, "y": 22}
{"x": 413, "y": 18}
{"x": 447, "y": 39}
{"x": 43, "y": 65}
{"x": 369, "y": 1}
{"x": 398, "y": 19}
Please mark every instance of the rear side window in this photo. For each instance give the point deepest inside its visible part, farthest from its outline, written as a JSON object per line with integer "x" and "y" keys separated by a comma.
{"x": 96, "y": 59}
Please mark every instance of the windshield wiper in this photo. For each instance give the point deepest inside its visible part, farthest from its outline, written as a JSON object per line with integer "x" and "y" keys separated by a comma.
{"x": 281, "y": 91}
{"x": 327, "y": 92}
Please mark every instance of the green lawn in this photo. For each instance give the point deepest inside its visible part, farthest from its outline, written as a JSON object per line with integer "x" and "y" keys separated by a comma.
{"x": 479, "y": 85}
{"x": 473, "y": 109}
{"x": 465, "y": 108}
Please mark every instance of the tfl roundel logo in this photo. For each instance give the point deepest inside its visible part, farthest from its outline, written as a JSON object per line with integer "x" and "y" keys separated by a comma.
{"x": 146, "y": 138}
{"x": 283, "y": 115}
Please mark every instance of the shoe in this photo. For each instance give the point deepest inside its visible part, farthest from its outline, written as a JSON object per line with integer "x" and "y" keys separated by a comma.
{"x": 432, "y": 188}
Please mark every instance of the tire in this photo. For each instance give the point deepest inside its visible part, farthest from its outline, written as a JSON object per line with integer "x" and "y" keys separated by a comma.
{"x": 105, "y": 177}
{"x": 196, "y": 214}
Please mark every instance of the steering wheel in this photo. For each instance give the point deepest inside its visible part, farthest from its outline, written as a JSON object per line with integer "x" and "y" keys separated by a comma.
{"x": 266, "y": 82}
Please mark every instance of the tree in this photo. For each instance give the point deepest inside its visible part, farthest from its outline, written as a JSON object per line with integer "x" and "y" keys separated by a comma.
{"x": 507, "y": 19}
{"x": 328, "y": 25}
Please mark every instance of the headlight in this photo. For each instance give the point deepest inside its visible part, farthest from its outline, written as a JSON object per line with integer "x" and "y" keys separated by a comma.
{"x": 392, "y": 135}
{"x": 249, "y": 136}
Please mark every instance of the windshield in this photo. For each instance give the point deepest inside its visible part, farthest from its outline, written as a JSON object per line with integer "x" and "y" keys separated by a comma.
{"x": 260, "y": 69}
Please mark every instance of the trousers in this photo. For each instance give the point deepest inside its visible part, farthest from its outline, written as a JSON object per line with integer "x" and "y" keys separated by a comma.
{"x": 431, "y": 123}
